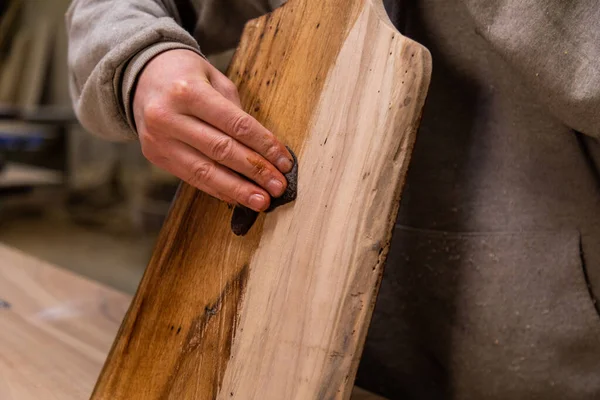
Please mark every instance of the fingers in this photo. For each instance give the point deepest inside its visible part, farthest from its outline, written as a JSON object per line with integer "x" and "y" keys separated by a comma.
{"x": 226, "y": 151}
{"x": 208, "y": 176}
{"x": 212, "y": 107}
{"x": 190, "y": 122}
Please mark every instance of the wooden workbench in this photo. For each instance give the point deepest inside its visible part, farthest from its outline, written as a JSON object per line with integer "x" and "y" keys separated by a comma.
{"x": 56, "y": 329}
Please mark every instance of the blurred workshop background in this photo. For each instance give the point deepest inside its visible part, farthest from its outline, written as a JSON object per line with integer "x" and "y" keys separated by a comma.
{"x": 67, "y": 197}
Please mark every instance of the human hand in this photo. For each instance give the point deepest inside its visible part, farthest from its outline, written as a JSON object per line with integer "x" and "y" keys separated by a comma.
{"x": 190, "y": 122}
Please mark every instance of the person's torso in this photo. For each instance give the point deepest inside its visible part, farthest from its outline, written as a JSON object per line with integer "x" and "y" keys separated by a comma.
{"x": 489, "y": 288}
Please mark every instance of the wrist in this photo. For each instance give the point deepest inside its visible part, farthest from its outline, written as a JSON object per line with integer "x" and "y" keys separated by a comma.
{"x": 135, "y": 67}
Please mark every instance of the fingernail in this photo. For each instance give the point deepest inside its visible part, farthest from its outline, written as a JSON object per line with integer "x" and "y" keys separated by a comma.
{"x": 284, "y": 164}
{"x": 275, "y": 187}
{"x": 257, "y": 202}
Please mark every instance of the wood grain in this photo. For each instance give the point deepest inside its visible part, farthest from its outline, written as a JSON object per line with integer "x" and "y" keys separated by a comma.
{"x": 282, "y": 313}
{"x": 55, "y": 329}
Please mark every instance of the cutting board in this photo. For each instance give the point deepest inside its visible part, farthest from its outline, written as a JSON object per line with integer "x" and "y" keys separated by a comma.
{"x": 282, "y": 313}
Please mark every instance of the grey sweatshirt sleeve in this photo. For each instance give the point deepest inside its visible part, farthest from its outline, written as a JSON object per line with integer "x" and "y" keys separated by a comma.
{"x": 110, "y": 42}
{"x": 104, "y": 36}
{"x": 555, "y": 46}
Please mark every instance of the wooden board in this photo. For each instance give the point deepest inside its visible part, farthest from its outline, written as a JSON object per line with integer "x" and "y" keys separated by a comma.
{"x": 282, "y": 313}
{"x": 55, "y": 329}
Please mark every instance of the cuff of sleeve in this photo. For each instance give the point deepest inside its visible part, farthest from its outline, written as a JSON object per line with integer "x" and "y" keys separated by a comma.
{"x": 135, "y": 67}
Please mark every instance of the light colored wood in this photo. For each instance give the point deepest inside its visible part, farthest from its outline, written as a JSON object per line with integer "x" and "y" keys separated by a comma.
{"x": 56, "y": 330}
{"x": 282, "y": 313}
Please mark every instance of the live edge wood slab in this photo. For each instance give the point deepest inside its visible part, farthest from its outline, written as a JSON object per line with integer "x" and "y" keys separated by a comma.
{"x": 283, "y": 312}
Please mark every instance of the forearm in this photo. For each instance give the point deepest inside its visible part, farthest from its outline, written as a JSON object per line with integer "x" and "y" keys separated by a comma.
{"x": 104, "y": 36}
{"x": 111, "y": 41}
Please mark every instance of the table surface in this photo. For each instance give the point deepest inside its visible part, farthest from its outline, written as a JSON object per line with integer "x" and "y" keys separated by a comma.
{"x": 56, "y": 329}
